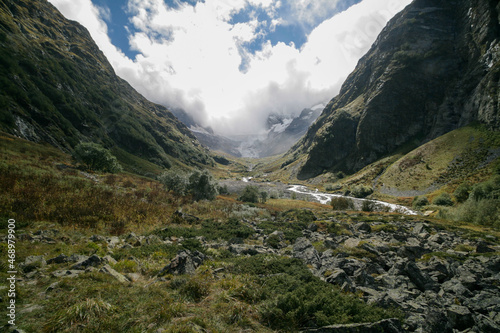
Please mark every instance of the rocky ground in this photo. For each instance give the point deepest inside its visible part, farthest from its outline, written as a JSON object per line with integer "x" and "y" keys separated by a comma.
{"x": 443, "y": 281}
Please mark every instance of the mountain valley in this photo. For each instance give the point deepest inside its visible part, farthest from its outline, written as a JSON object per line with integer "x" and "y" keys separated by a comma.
{"x": 379, "y": 212}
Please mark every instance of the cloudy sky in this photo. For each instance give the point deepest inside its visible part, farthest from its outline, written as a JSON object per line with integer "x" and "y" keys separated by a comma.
{"x": 231, "y": 63}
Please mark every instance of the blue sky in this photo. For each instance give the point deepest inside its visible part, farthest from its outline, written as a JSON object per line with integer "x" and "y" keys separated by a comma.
{"x": 232, "y": 63}
{"x": 117, "y": 18}
{"x": 118, "y": 23}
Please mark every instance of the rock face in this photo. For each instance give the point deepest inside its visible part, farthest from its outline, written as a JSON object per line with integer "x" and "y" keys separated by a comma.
{"x": 58, "y": 87}
{"x": 434, "y": 68}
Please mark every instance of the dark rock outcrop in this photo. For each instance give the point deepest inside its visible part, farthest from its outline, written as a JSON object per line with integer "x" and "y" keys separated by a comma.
{"x": 185, "y": 262}
{"x": 58, "y": 87}
{"x": 434, "y": 68}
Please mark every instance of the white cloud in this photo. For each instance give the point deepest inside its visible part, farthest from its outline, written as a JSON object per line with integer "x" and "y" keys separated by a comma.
{"x": 190, "y": 57}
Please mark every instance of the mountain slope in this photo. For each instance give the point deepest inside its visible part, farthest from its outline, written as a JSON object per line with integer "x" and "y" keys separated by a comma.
{"x": 57, "y": 86}
{"x": 285, "y": 134}
{"x": 434, "y": 68}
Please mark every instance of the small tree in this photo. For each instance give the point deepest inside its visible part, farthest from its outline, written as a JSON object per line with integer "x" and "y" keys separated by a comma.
{"x": 341, "y": 203}
{"x": 444, "y": 199}
{"x": 250, "y": 194}
{"x": 361, "y": 191}
{"x": 419, "y": 202}
{"x": 202, "y": 185}
{"x": 263, "y": 196}
{"x": 175, "y": 180}
{"x": 96, "y": 158}
{"x": 462, "y": 192}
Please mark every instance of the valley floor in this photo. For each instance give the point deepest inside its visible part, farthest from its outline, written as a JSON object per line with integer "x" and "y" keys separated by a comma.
{"x": 118, "y": 253}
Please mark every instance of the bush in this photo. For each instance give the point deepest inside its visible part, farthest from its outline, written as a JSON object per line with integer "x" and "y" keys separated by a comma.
{"x": 444, "y": 199}
{"x": 175, "y": 180}
{"x": 202, "y": 185}
{"x": 263, "y": 196}
{"x": 250, "y": 194}
{"x": 487, "y": 190}
{"x": 361, "y": 191}
{"x": 368, "y": 206}
{"x": 484, "y": 212}
{"x": 462, "y": 192}
{"x": 223, "y": 190}
{"x": 273, "y": 241}
{"x": 420, "y": 202}
{"x": 294, "y": 298}
{"x": 96, "y": 158}
{"x": 341, "y": 203}
{"x": 274, "y": 195}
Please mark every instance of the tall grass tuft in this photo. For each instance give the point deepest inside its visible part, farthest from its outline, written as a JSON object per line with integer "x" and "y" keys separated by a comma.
{"x": 86, "y": 312}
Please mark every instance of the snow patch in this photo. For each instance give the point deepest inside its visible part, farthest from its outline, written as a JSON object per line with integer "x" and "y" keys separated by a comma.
{"x": 281, "y": 127}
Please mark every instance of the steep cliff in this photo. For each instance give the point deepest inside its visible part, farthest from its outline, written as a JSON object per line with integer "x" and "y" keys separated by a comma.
{"x": 434, "y": 68}
{"x": 57, "y": 86}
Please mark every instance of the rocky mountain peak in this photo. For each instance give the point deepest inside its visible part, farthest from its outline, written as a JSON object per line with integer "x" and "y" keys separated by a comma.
{"x": 434, "y": 68}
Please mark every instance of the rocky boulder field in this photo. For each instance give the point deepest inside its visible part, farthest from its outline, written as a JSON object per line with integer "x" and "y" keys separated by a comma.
{"x": 441, "y": 278}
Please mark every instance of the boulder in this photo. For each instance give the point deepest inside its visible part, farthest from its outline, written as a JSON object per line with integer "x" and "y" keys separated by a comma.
{"x": 184, "y": 263}
{"x": 386, "y": 326}
{"x": 483, "y": 247}
{"x": 32, "y": 262}
{"x": 339, "y": 277}
{"x": 419, "y": 278}
{"x": 412, "y": 252}
{"x": 69, "y": 273}
{"x": 304, "y": 250}
{"x": 363, "y": 227}
{"x": 460, "y": 317}
{"x": 92, "y": 261}
{"x": 106, "y": 269}
{"x": 60, "y": 259}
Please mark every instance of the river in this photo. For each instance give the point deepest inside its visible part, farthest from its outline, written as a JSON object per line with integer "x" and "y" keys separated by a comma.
{"x": 325, "y": 198}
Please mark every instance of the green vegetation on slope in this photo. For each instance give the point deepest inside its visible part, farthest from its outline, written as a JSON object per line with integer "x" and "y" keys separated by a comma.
{"x": 49, "y": 196}
{"x": 57, "y": 87}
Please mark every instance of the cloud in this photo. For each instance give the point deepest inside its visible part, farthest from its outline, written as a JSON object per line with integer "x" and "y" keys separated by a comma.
{"x": 192, "y": 57}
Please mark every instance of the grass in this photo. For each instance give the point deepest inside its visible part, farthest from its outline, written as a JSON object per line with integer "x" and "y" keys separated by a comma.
{"x": 48, "y": 195}
{"x": 228, "y": 293}
{"x": 458, "y": 155}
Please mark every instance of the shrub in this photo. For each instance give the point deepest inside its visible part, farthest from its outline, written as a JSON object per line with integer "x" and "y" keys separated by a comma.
{"x": 196, "y": 288}
{"x": 295, "y": 298}
{"x": 273, "y": 241}
{"x": 368, "y": 206}
{"x": 420, "y": 202}
{"x": 444, "y": 199}
{"x": 484, "y": 212}
{"x": 250, "y": 194}
{"x": 174, "y": 180}
{"x": 192, "y": 244}
{"x": 263, "y": 196}
{"x": 96, "y": 158}
{"x": 462, "y": 192}
{"x": 223, "y": 189}
{"x": 341, "y": 203}
{"x": 202, "y": 185}
{"x": 487, "y": 190}
{"x": 274, "y": 195}
{"x": 361, "y": 191}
